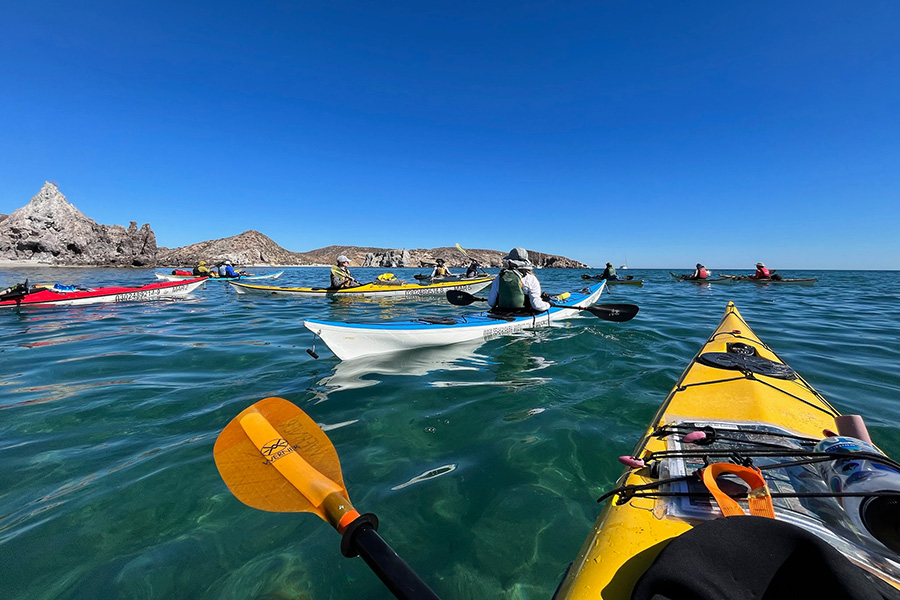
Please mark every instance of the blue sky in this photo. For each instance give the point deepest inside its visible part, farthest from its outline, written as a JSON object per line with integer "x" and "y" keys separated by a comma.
{"x": 664, "y": 132}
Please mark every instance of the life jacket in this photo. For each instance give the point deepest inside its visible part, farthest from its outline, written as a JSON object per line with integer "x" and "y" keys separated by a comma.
{"x": 702, "y": 274}
{"x": 441, "y": 272}
{"x": 762, "y": 272}
{"x": 510, "y": 291}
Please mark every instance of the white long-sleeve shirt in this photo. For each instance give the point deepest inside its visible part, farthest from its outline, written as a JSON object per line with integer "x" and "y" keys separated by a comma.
{"x": 530, "y": 285}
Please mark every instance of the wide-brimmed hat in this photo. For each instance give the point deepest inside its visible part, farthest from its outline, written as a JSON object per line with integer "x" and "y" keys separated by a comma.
{"x": 608, "y": 264}
{"x": 202, "y": 262}
{"x": 518, "y": 258}
{"x": 760, "y": 265}
{"x": 227, "y": 262}
{"x": 440, "y": 261}
{"x": 699, "y": 265}
{"x": 342, "y": 258}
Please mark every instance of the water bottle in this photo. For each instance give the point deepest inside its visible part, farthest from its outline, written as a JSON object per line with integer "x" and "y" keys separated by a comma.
{"x": 879, "y": 516}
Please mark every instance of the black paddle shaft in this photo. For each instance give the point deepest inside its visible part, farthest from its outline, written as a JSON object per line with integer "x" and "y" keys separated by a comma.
{"x": 362, "y": 539}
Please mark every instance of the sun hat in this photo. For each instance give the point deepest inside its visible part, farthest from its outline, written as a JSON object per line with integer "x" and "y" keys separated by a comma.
{"x": 227, "y": 262}
{"x": 202, "y": 262}
{"x": 342, "y": 258}
{"x": 608, "y": 264}
{"x": 440, "y": 261}
{"x": 518, "y": 258}
{"x": 760, "y": 265}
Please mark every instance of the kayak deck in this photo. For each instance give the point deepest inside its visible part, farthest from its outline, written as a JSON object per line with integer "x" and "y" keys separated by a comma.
{"x": 150, "y": 291}
{"x": 399, "y": 290}
{"x": 634, "y": 527}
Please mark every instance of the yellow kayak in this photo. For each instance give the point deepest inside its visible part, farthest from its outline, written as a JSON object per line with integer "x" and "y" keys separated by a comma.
{"x": 397, "y": 289}
{"x": 736, "y": 398}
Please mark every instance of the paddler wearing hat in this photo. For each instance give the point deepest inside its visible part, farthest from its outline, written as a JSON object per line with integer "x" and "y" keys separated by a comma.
{"x": 609, "y": 272}
{"x": 516, "y": 288}
{"x": 340, "y": 274}
{"x": 761, "y": 272}
{"x": 201, "y": 270}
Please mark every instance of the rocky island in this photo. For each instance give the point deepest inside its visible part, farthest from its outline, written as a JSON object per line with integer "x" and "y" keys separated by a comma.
{"x": 49, "y": 230}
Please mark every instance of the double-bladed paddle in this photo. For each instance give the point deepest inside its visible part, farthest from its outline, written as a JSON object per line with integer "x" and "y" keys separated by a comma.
{"x": 618, "y": 313}
{"x": 273, "y": 457}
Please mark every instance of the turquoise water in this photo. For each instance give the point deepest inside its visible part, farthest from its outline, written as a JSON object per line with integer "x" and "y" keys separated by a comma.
{"x": 109, "y": 413}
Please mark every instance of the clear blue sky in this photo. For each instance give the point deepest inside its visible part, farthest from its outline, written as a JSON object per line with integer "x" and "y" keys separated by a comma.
{"x": 667, "y": 132}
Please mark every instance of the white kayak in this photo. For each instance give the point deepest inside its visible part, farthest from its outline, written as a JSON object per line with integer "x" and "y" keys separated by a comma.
{"x": 352, "y": 340}
{"x": 370, "y": 290}
{"x": 171, "y": 277}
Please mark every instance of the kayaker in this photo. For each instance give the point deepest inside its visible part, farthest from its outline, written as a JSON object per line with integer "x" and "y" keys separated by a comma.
{"x": 699, "y": 273}
{"x": 609, "y": 272}
{"x": 440, "y": 270}
{"x": 515, "y": 283}
{"x": 340, "y": 274}
{"x": 227, "y": 270}
{"x": 472, "y": 270}
{"x": 761, "y": 272}
{"x": 201, "y": 270}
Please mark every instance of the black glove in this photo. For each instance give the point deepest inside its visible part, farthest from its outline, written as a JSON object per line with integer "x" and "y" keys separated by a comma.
{"x": 545, "y": 296}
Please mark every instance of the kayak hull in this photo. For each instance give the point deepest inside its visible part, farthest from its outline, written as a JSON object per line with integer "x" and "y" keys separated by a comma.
{"x": 632, "y": 530}
{"x": 630, "y": 280}
{"x": 353, "y": 340}
{"x": 151, "y": 291}
{"x": 370, "y": 290}
{"x": 785, "y": 281}
{"x": 678, "y": 277}
{"x": 170, "y": 277}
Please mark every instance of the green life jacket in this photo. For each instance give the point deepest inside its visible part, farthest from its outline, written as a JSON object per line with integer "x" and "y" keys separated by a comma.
{"x": 510, "y": 292}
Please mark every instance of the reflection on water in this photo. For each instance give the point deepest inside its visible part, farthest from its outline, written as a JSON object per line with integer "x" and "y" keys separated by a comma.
{"x": 368, "y": 371}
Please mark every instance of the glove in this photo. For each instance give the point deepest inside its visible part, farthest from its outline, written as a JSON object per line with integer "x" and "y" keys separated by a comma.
{"x": 545, "y": 296}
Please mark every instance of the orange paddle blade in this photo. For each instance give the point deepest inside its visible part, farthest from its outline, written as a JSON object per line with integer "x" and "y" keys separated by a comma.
{"x": 273, "y": 457}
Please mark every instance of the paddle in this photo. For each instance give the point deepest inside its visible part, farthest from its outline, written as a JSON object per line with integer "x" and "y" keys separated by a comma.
{"x": 16, "y": 292}
{"x": 273, "y": 457}
{"x": 618, "y": 313}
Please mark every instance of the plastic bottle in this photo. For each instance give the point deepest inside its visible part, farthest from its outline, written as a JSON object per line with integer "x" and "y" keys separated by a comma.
{"x": 879, "y": 516}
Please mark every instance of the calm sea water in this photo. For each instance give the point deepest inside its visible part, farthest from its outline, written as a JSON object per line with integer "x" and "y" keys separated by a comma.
{"x": 108, "y": 416}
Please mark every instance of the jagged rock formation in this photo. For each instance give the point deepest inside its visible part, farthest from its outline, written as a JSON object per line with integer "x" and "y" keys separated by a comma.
{"x": 390, "y": 259}
{"x": 453, "y": 257}
{"x": 50, "y": 230}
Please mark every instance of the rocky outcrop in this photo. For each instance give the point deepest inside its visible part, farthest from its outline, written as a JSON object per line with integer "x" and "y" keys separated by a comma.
{"x": 50, "y": 230}
{"x": 454, "y": 257}
{"x": 247, "y": 249}
{"x": 391, "y": 259}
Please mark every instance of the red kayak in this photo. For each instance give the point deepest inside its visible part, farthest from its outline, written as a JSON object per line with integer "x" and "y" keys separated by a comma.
{"x": 23, "y": 295}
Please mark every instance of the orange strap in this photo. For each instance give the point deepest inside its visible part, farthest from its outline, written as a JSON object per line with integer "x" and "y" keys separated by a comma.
{"x": 759, "y": 499}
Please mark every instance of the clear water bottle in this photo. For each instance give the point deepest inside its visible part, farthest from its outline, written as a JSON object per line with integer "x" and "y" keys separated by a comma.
{"x": 877, "y": 515}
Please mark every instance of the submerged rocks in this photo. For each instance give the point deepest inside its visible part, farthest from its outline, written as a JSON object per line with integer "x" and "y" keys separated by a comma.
{"x": 50, "y": 230}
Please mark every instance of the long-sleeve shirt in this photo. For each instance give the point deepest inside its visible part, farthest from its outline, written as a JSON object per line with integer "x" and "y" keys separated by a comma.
{"x": 530, "y": 286}
{"x": 339, "y": 280}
